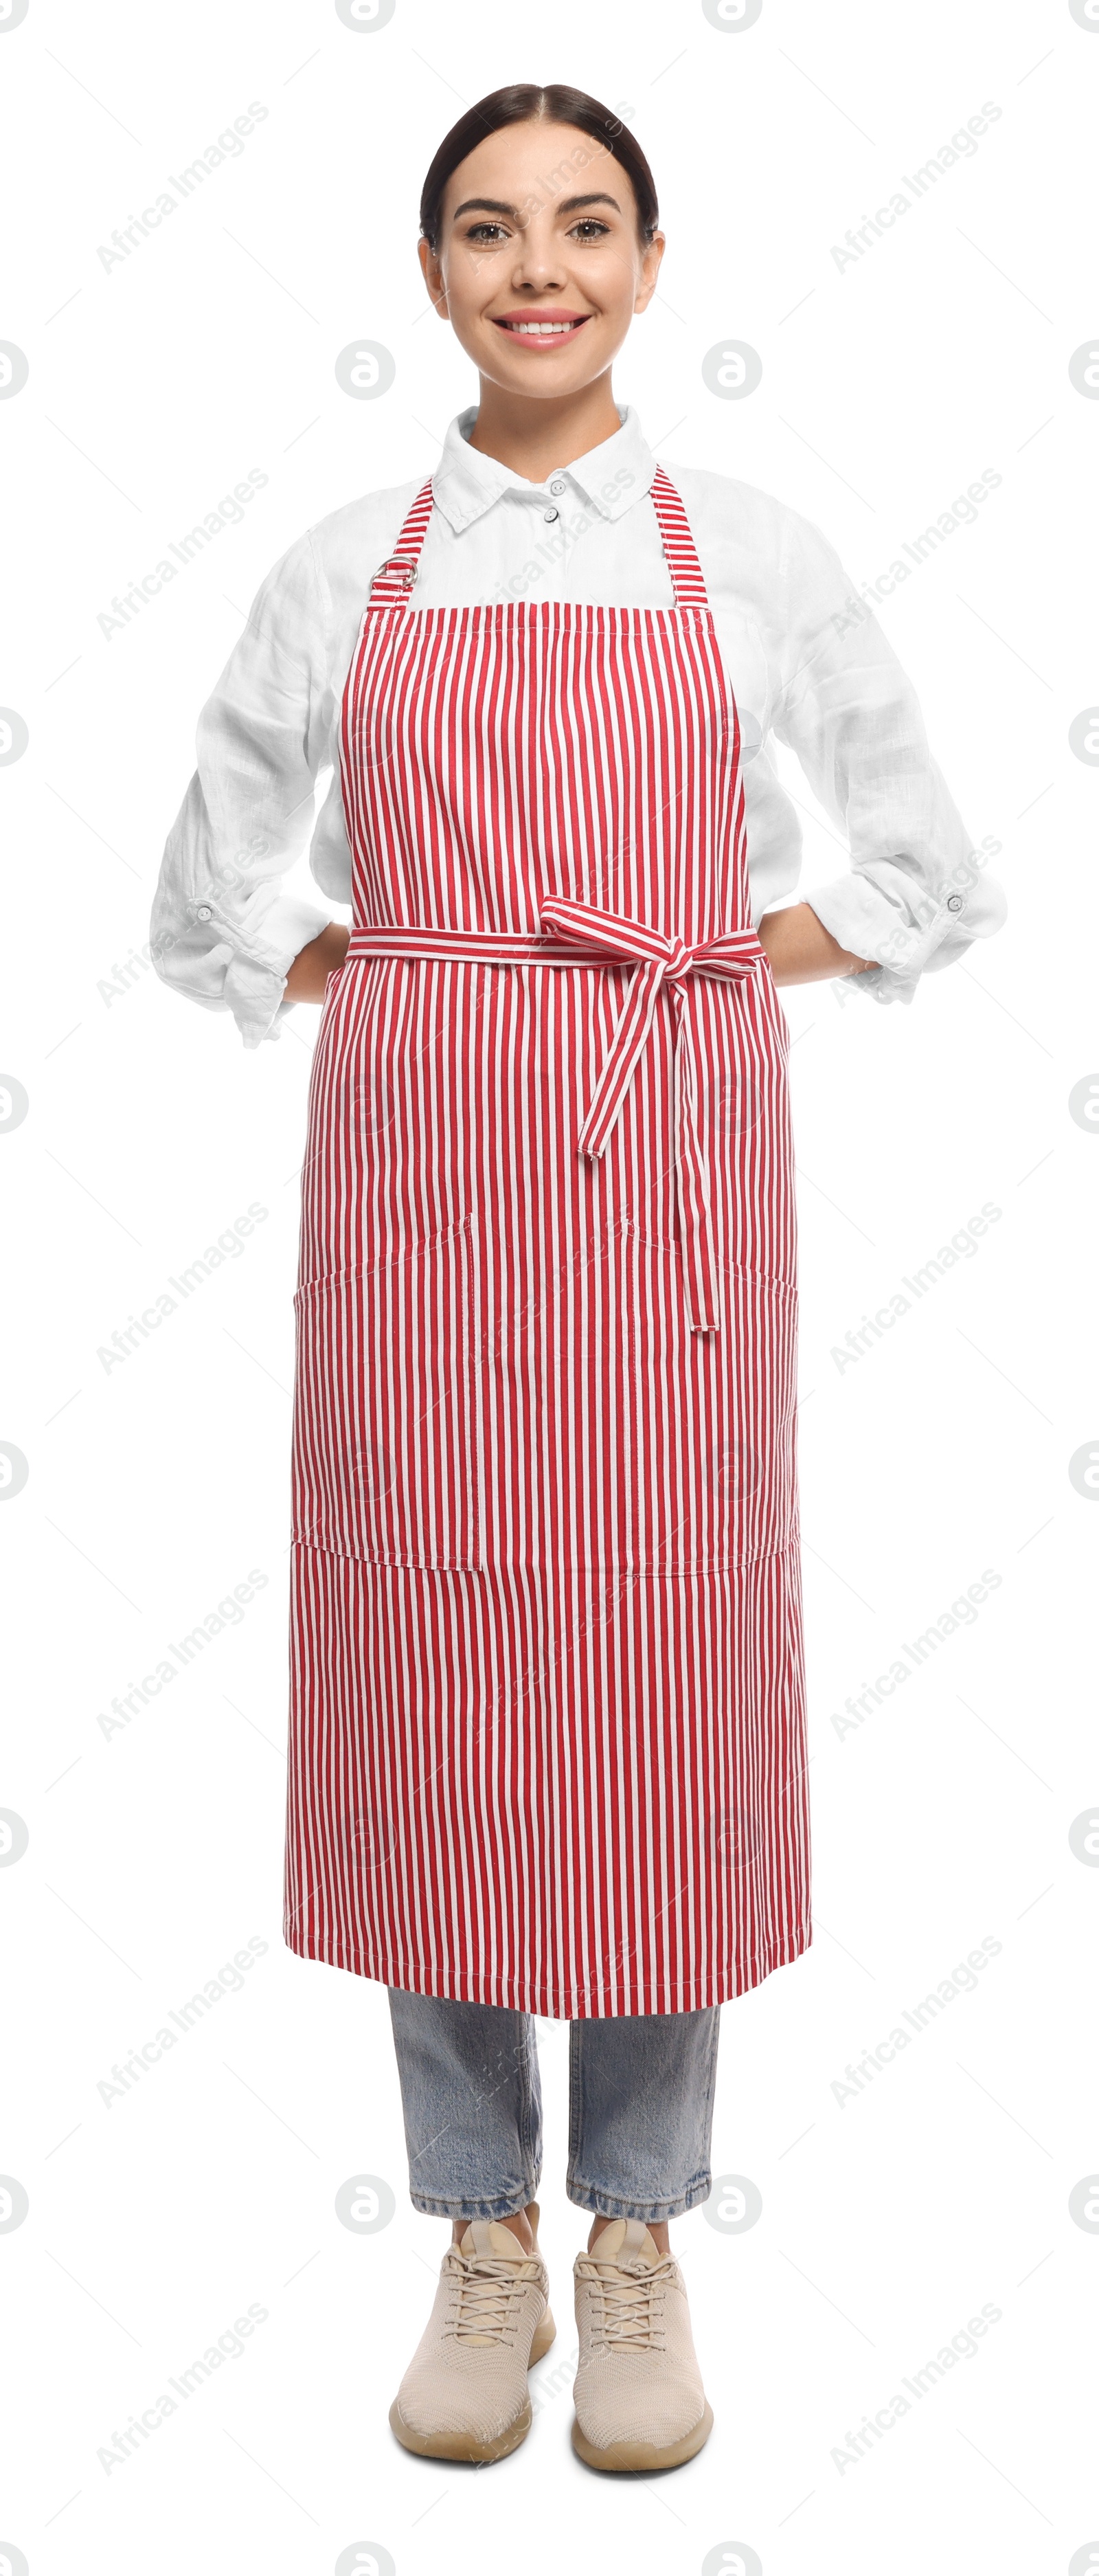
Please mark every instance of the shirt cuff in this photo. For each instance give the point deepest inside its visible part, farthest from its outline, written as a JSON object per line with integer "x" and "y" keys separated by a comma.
{"x": 865, "y": 922}
{"x": 255, "y": 983}
{"x": 207, "y": 965}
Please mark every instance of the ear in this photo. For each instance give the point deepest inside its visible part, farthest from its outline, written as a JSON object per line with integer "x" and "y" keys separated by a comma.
{"x": 433, "y": 279}
{"x": 650, "y": 271}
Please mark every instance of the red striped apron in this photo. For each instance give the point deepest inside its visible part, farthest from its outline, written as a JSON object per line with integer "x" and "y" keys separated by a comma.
{"x": 547, "y": 1733}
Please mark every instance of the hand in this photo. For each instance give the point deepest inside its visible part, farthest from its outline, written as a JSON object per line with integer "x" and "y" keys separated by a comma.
{"x": 802, "y": 951}
{"x": 313, "y": 965}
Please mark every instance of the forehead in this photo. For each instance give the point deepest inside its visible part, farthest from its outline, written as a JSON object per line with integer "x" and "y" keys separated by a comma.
{"x": 524, "y": 167}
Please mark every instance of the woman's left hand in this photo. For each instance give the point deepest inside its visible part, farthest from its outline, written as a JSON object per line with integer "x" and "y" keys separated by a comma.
{"x": 802, "y": 951}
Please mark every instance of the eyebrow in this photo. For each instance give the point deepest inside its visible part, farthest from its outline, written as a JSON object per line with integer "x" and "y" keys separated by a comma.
{"x": 496, "y": 206}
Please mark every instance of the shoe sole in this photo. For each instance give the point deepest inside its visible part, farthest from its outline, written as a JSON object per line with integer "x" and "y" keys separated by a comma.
{"x": 644, "y": 2455}
{"x": 461, "y": 2446}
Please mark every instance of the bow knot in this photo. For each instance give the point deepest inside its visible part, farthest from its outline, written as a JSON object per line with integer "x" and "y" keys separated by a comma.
{"x": 660, "y": 959}
{"x": 680, "y": 960}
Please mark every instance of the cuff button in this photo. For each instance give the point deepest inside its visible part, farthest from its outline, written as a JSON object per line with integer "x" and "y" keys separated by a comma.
{"x": 955, "y": 903}
{"x": 203, "y": 912}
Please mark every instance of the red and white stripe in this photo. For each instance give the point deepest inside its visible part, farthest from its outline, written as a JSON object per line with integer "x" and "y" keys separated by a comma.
{"x": 547, "y": 1710}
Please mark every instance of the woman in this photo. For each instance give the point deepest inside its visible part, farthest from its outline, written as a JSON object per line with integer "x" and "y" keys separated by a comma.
{"x": 547, "y": 1743}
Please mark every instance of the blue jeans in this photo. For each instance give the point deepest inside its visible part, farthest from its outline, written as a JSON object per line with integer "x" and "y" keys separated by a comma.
{"x": 641, "y": 2099}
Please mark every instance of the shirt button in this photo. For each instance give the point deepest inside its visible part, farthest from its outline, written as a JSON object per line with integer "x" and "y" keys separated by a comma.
{"x": 557, "y": 487}
{"x": 204, "y": 913}
{"x": 551, "y": 514}
{"x": 955, "y": 903}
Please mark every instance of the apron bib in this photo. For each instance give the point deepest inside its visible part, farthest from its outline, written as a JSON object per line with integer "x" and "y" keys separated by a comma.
{"x": 547, "y": 1736}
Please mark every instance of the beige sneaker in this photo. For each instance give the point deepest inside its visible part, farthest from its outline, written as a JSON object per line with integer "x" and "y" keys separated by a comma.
{"x": 640, "y": 2402}
{"x": 464, "y": 2394}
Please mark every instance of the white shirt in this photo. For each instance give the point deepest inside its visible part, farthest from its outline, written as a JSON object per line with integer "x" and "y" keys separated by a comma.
{"x": 806, "y": 659}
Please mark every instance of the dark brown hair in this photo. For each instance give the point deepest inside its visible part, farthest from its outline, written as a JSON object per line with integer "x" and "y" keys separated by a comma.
{"x": 525, "y": 103}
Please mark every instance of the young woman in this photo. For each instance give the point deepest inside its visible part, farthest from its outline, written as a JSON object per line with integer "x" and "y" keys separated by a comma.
{"x": 547, "y": 1740}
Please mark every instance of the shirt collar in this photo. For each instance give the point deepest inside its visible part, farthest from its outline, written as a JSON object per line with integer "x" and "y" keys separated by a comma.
{"x": 465, "y": 483}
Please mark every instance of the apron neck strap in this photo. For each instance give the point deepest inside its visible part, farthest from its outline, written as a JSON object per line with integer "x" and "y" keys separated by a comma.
{"x": 393, "y": 580}
{"x": 392, "y": 583}
{"x": 678, "y": 543}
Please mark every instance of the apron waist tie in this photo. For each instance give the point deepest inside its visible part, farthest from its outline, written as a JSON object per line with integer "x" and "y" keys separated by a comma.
{"x": 595, "y": 938}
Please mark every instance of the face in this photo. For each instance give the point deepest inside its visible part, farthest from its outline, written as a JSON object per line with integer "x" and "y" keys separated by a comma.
{"x": 539, "y": 267}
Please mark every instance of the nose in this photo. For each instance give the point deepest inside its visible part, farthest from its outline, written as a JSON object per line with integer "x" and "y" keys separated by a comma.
{"x": 537, "y": 259}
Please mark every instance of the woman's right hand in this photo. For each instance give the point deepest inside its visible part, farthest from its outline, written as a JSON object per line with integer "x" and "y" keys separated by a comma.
{"x": 314, "y": 964}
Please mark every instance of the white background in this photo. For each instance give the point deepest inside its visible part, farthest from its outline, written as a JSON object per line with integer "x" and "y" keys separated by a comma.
{"x": 155, "y": 1487}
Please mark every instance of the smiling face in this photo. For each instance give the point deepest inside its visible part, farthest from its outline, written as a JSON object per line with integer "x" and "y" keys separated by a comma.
{"x": 539, "y": 266}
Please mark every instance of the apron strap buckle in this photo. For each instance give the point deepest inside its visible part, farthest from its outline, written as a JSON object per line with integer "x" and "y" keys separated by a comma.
{"x": 403, "y": 569}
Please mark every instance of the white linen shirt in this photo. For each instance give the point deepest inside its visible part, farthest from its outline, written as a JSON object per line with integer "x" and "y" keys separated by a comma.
{"x": 806, "y": 659}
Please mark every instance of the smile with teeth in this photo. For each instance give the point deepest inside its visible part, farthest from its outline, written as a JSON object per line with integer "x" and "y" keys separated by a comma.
{"x": 544, "y": 330}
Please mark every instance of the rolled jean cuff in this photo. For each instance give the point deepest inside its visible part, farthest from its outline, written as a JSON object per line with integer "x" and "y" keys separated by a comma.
{"x": 605, "y": 2204}
{"x": 504, "y": 2206}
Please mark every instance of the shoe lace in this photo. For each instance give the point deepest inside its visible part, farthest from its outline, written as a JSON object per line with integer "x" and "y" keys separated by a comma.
{"x": 485, "y": 2285}
{"x": 631, "y": 2309}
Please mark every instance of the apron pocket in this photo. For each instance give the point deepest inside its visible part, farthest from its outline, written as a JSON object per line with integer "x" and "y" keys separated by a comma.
{"x": 715, "y": 1441}
{"x": 755, "y": 1475}
{"x": 556, "y": 1407}
{"x": 386, "y": 1451}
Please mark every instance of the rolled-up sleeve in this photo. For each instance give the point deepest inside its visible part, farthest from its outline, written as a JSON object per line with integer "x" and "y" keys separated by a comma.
{"x": 223, "y": 931}
{"x": 917, "y": 892}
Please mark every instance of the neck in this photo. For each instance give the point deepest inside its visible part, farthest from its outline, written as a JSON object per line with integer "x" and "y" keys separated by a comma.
{"x": 530, "y": 438}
